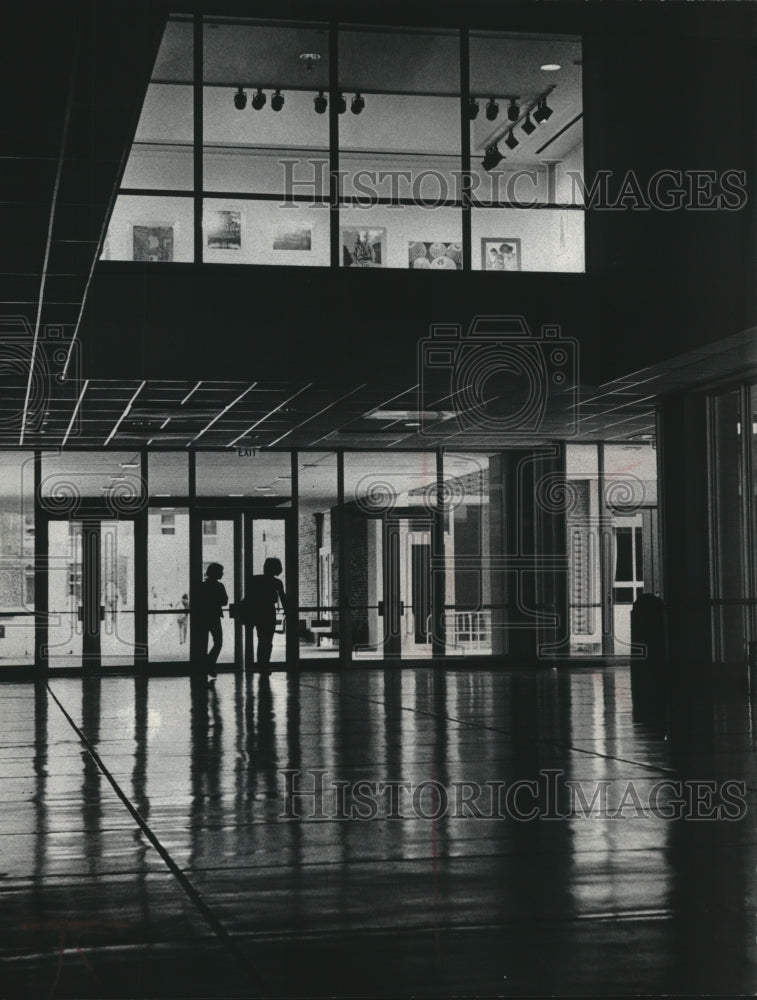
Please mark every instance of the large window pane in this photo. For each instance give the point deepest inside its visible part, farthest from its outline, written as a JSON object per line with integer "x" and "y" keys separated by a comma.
{"x": 17, "y": 550}
{"x": 405, "y": 86}
{"x": 403, "y": 236}
{"x": 265, "y": 476}
{"x": 117, "y": 592}
{"x": 265, "y": 232}
{"x": 526, "y": 144}
{"x": 162, "y": 153}
{"x": 218, "y": 540}
{"x": 168, "y": 583}
{"x": 113, "y": 476}
{"x": 150, "y": 228}
{"x": 168, "y": 473}
{"x": 514, "y": 239}
{"x": 583, "y": 542}
{"x": 473, "y": 532}
{"x": 729, "y": 592}
{"x": 318, "y": 534}
{"x": 245, "y": 146}
{"x": 389, "y": 504}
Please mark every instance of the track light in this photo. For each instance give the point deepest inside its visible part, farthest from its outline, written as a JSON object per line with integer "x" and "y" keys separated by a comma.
{"x": 492, "y": 158}
{"x": 358, "y": 103}
{"x": 258, "y": 100}
{"x": 473, "y": 109}
{"x": 492, "y": 109}
{"x": 513, "y": 111}
{"x": 528, "y": 126}
{"x": 511, "y": 142}
{"x": 341, "y": 104}
{"x": 543, "y": 111}
{"x": 277, "y": 101}
{"x": 320, "y": 103}
{"x": 240, "y": 100}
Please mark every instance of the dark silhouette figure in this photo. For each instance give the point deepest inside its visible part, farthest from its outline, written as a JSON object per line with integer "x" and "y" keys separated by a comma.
{"x": 213, "y": 597}
{"x": 650, "y": 680}
{"x": 258, "y": 607}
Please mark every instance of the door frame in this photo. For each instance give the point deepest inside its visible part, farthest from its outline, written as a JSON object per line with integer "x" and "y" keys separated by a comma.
{"x": 92, "y": 515}
{"x": 242, "y": 515}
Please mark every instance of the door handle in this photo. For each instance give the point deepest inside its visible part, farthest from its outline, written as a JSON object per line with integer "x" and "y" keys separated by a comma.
{"x": 381, "y": 609}
{"x": 402, "y": 608}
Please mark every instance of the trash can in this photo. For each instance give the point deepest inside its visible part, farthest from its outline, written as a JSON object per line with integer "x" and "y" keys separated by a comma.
{"x": 648, "y": 628}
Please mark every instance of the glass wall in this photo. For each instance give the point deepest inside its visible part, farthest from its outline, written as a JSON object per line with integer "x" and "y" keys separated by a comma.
{"x": 317, "y": 555}
{"x": 168, "y": 583}
{"x": 17, "y": 550}
{"x": 422, "y": 551}
{"x": 389, "y": 503}
{"x": 405, "y": 154}
{"x": 472, "y": 499}
{"x": 730, "y": 608}
{"x": 158, "y": 227}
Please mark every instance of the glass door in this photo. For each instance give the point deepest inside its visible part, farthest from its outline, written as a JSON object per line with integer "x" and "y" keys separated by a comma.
{"x": 90, "y": 593}
{"x": 391, "y": 586}
{"x": 266, "y": 538}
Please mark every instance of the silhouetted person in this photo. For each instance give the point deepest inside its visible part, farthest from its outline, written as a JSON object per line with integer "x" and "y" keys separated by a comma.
{"x": 213, "y": 597}
{"x": 258, "y": 607}
{"x": 183, "y": 618}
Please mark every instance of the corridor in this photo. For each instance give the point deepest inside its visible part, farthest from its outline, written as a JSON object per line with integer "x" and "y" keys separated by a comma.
{"x": 361, "y": 833}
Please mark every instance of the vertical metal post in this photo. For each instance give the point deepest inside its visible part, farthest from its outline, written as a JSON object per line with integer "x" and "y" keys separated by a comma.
{"x": 291, "y": 559}
{"x": 41, "y": 572}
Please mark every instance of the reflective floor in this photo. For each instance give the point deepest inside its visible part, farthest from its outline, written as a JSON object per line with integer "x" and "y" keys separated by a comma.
{"x": 381, "y": 832}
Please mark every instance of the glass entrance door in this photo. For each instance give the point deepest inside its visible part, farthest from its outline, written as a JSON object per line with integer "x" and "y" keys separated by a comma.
{"x": 391, "y": 586}
{"x": 90, "y": 593}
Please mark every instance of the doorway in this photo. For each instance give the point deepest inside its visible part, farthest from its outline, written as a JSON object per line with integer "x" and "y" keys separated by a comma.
{"x": 392, "y": 605}
{"x": 91, "y": 593}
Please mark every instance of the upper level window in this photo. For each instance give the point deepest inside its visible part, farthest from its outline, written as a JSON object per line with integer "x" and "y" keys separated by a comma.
{"x": 282, "y": 131}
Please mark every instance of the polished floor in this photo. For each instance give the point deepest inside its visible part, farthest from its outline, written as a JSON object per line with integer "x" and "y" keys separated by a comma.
{"x": 153, "y": 844}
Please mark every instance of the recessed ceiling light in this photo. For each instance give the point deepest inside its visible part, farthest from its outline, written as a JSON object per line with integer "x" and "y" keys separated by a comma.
{"x": 236, "y": 494}
{"x": 550, "y": 67}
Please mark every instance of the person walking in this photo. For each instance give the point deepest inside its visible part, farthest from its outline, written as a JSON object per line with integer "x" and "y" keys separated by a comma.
{"x": 258, "y": 608}
{"x": 213, "y": 597}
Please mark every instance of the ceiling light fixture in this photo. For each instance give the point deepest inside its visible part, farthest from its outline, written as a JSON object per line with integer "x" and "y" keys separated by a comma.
{"x": 240, "y": 99}
{"x": 358, "y": 103}
{"x": 527, "y": 125}
{"x": 473, "y": 109}
{"x": 511, "y": 142}
{"x": 309, "y": 58}
{"x": 320, "y": 103}
{"x": 543, "y": 111}
{"x": 513, "y": 110}
{"x": 550, "y": 67}
{"x": 258, "y": 100}
{"x": 341, "y": 104}
{"x": 492, "y": 158}
{"x": 492, "y": 109}
{"x": 277, "y": 101}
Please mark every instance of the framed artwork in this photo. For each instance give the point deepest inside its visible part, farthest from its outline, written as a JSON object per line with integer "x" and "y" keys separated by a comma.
{"x": 501, "y": 254}
{"x": 293, "y": 238}
{"x": 437, "y": 256}
{"x": 363, "y": 247}
{"x": 152, "y": 243}
{"x": 224, "y": 230}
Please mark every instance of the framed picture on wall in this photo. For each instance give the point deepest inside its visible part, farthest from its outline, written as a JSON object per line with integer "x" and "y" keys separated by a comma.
{"x": 436, "y": 256}
{"x": 296, "y": 237}
{"x": 500, "y": 254}
{"x": 152, "y": 243}
{"x": 224, "y": 230}
{"x": 363, "y": 247}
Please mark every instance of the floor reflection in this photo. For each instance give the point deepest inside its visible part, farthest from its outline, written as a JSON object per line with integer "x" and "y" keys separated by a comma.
{"x": 467, "y": 898}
